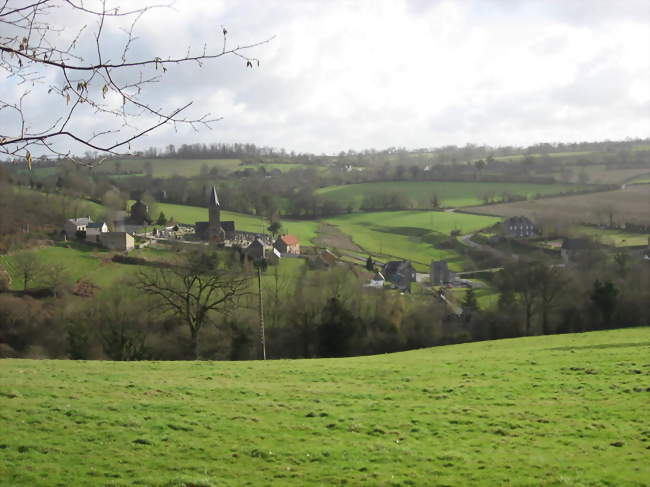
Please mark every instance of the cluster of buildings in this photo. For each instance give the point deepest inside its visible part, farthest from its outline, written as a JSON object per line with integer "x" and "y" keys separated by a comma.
{"x": 253, "y": 245}
{"x": 97, "y": 232}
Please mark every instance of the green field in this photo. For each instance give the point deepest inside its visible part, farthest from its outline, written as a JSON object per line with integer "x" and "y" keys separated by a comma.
{"x": 409, "y": 234}
{"x": 450, "y": 194}
{"x": 79, "y": 260}
{"x": 304, "y": 230}
{"x": 618, "y": 238}
{"x": 563, "y": 410}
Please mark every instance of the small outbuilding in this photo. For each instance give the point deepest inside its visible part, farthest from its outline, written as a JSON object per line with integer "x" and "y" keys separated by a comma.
{"x": 120, "y": 241}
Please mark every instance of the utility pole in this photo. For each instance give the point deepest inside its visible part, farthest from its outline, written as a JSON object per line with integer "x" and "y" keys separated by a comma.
{"x": 259, "y": 266}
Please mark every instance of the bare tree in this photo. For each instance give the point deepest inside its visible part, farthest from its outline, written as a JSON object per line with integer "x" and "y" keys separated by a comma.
{"x": 194, "y": 288}
{"x": 28, "y": 268}
{"x": 41, "y": 55}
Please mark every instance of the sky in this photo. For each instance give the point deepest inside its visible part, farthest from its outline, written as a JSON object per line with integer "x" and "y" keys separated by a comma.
{"x": 340, "y": 75}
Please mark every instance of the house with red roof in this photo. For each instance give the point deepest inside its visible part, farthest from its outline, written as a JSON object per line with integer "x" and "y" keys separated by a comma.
{"x": 288, "y": 244}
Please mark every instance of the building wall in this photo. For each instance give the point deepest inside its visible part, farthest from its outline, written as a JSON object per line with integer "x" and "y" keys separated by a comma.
{"x": 121, "y": 241}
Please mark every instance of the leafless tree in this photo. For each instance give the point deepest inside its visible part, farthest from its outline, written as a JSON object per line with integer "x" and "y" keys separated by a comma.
{"x": 86, "y": 75}
{"x": 195, "y": 287}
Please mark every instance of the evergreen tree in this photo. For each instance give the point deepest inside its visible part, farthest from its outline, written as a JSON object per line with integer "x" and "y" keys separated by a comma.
{"x": 162, "y": 220}
{"x": 604, "y": 297}
{"x": 370, "y": 264}
{"x": 470, "y": 302}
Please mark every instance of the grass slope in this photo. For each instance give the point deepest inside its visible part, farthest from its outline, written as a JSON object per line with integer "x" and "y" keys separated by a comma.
{"x": 544, "y": 411}
{"x": 450, "y": 194}
{"x": 304, "y": 230}
{"x": 80, "y": 262}
{"x": 408, "y": 234}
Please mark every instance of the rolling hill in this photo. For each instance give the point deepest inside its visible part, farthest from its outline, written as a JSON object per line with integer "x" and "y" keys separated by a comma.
{"x": 544, "y": 411}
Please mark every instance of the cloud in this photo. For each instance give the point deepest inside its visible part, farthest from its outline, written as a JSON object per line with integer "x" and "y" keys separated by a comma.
{"x": 377, "y": 73}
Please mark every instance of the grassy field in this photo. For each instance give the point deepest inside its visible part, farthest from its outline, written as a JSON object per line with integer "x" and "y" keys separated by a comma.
{"x": 450, "y": 194}
{"x": 618, "y": 238}
{"x": 408, "y": 234}
{"x": 80, "y": 262}
{"x": 304, "y": 230}
{"x": 165, "y": 168}
{"x": 630, "y": 205}
{"x": 564, "y": 410}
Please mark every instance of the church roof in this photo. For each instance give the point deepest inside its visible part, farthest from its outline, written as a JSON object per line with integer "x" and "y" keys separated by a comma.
{"x": 214, "y": 199}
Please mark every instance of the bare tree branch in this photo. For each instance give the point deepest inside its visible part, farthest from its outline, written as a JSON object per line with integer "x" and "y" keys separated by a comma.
{"x": 33, "y": 50}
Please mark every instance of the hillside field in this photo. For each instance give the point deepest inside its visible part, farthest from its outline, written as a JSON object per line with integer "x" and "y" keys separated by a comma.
{"x": 80, "y": 261}
{"x": 409, "y": 234}
{"x": 450, "y": 194}
{"x": 631, "y": 204}
{"x": 563, "y": 410}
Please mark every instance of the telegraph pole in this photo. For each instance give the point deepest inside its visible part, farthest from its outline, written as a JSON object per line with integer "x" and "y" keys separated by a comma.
{"x": 259, "y": 266}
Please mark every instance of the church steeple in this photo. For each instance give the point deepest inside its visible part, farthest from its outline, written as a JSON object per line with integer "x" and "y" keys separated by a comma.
{"x": 214, "y": 199}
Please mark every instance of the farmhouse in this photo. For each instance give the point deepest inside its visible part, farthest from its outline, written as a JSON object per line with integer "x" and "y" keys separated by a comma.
{"x": 76, "y": 227}
{"x": 94, "y": 230}
{"x": 256, "y": 250}
{"x": 519, "y": 227}
{"x": 400, "y": 273}
{"x": 288, "y": 244}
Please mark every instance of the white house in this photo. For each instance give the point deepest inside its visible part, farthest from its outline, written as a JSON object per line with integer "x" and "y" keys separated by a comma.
{"x": 76, "y": 227}
{"x": 94, "y": 230}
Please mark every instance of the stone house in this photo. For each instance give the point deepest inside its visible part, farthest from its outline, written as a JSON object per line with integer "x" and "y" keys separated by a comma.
{"x": 76, "y": 227}
{"x": 400, "y": 273}
{"x": 519, "y": 227}
{"x": 94, "y": 231}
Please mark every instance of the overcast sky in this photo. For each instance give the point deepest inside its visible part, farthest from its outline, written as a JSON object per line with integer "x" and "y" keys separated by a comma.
{"x": 360, "y": 74}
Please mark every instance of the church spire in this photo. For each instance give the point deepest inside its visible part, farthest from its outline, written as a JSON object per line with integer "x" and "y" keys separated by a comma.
{"x": 214, "y": 199}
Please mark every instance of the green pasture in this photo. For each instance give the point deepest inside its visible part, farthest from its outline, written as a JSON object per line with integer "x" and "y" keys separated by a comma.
{"x": 450, "y": 194}
{"x": 165, "y": 168}
{"x": 80, "y": 261}
{"x": 409, "y": 234}
{"x": 304, "y": 230}
{"x": 561, "y": 410}
{"x": 617, "y": 238}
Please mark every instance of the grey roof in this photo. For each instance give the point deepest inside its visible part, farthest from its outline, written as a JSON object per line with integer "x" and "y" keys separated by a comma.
{"x": 228, "y": 226}
{"x": 214, "y": 199}
{"x": 81, "y": 221}
{"x": 95, "y": 225}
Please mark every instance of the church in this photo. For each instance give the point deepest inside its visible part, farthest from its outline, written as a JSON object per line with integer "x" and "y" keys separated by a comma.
{"x": 215, "y": 230}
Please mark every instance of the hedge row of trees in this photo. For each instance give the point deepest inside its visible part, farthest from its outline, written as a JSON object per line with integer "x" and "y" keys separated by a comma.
{"x": 313, "y": 314}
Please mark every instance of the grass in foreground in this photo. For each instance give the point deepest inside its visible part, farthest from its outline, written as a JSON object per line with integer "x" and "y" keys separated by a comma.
{"x": 543, "y": 411}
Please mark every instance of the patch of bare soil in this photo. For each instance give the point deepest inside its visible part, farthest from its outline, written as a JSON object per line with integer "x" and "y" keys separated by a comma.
{"x": 628, "y": 205}
{"x": 330, "y": 236}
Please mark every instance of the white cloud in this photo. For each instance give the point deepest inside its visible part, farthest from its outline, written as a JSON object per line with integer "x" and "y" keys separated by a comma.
{"x": 375, "y": 73}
